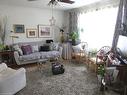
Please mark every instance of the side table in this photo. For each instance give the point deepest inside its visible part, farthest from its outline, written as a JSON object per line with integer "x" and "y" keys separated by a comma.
{"x": 7, "y": 56}
{"x": 66, "y": 51}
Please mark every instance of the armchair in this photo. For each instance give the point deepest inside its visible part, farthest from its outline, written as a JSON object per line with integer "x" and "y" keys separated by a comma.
{"x": 80, "y": 50}
{"x": 11, "y": 81}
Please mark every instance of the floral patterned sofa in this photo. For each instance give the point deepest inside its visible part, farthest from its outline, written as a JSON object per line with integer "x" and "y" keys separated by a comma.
{"x": 31, "y": 52}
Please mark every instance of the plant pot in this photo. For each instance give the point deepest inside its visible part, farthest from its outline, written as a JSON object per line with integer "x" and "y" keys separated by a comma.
{"x": 76, "y": 42}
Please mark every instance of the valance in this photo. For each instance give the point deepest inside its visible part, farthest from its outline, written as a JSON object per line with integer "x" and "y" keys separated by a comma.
{"x": 96, "y": 6}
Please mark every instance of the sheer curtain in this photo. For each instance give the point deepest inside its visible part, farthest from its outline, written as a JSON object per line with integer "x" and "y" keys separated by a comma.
{"x": 97, "y": 27}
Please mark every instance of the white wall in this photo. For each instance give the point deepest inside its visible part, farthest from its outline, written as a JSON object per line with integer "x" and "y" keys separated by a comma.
{"x": 30, "y": 17}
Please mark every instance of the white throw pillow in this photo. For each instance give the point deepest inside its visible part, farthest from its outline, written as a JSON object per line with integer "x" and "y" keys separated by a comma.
{"x": 17, "y": 48}
{"x": 77, "y": 48}
{"x": 2, "y": 66}
{"x": 35, "y": 48}
{"x": 54, "y": 46}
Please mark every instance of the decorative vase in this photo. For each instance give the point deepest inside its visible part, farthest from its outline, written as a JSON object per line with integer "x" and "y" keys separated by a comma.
{"x": 62, "y": 38}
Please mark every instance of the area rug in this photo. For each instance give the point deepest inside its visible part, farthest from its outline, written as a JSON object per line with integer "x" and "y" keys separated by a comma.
{"x": 77, "y": 80}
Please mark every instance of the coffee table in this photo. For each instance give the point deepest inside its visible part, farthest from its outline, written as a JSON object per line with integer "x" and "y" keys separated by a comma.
{"x": 40, "y": 63}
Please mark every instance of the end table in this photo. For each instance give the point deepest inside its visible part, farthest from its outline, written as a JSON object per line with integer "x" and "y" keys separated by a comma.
{"x": 7, "y": 56}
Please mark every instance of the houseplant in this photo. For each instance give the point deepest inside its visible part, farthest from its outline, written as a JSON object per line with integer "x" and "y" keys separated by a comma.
{"x": 74, "y": 36}
{"x": 2, "y": 47}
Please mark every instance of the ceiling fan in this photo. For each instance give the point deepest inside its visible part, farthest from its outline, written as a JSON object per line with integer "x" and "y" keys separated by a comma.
{"x": 55, "y": 1}
{"x": 64, "y": 1}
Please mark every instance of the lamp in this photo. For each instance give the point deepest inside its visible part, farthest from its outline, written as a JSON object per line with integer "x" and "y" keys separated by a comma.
{"x": 52, "y": 20}
{"x": 12, "y": 38}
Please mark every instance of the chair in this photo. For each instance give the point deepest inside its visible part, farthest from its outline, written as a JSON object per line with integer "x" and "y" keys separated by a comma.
{"x": 11, "y": 81}
{"x": 108, "y": 73}
{"x": 80, "y": 50}
{"x": 102, "y": 54}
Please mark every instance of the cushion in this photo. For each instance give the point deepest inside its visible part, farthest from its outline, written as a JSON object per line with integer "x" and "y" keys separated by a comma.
{"x": 49, "y": 41}
{"x": 54, "y": 46}
{"x": 44, "y": 48}
{"x": 33, "y": 56}
{"x": 26, "y": 49}
{"x": 50, "y": 54}
{"x": 3, "y": 66}
{"x": 77, "y": 48}
{"x": 17, "y": 48}
{"x": 35, "y": 48}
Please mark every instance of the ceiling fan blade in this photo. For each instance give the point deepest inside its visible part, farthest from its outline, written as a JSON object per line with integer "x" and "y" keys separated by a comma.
{"x": 66, "y": 1}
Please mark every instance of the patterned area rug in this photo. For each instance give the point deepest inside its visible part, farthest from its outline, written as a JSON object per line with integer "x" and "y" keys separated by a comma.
{"x": 76, "y": 80}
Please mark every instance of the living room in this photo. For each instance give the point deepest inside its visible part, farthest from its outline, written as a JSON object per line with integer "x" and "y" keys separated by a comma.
{"x": 43, "y": 23}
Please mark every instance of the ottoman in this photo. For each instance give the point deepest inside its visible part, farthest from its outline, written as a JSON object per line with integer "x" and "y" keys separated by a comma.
{"x": 57, "y": 68}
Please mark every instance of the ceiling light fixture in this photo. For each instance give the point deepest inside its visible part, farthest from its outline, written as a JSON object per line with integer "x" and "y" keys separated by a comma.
{"x": 52, "y": 20}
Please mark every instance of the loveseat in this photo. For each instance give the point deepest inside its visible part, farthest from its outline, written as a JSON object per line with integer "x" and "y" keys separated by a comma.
{"x": 31, "y": 52}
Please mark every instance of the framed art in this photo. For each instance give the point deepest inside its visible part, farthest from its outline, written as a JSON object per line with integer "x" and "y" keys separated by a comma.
{"x": 31, "y": 33}
{"x": 44, "y": 31}
{"x": 19, "y": 28}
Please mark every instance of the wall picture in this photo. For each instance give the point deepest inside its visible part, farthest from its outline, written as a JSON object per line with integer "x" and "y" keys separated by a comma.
{"x": 31, "y": 33}
{"x": 19, "y": 28}
{"x": 44, "y": 31}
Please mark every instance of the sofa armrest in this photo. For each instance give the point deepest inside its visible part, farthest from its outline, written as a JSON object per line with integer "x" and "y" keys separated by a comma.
{"x": 16, "y": 56}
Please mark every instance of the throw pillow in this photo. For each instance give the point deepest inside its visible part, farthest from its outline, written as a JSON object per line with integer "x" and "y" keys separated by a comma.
{"x": 3, "y": 66}
{"x": 35, "y": 48}
{"x": 26, "y": 49}
{"x": 44, "y": 48}
{"x": 76, "y": 48}
{"x": 49, "y": 41}
{"x": 54, "y": 46}
{"x": 17, "y": 48}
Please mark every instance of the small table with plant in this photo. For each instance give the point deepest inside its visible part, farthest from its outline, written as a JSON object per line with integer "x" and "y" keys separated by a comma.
{"x": 6, "y": 55}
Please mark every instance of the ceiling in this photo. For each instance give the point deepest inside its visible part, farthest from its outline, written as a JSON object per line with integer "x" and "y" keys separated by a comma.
{"x": 43, "y": 3}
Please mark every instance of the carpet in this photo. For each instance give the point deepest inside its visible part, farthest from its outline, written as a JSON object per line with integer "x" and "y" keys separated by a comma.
{"x": 77, "y": 80}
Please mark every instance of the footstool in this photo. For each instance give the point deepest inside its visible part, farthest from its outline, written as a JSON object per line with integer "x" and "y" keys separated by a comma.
{"x": 57, "y": 68}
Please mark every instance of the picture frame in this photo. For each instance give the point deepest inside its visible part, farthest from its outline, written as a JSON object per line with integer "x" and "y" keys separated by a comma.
{"x": 31, "y": 33}
{"x": 19, "y": 28}
{"x": 44, "y": 31}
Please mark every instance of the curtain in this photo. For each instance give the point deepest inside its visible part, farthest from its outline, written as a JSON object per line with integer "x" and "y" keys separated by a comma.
{"x": 121, "y": 23}
{"x": 97, "y": 27}
{"x": 73, "y": 18}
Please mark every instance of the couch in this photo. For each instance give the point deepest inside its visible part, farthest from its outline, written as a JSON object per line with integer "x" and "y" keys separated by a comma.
{"x": 11, "y": 81}
{"x": 35, "y": 51}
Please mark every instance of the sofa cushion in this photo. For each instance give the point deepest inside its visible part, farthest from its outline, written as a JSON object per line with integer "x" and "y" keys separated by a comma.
{"x": 50, "y": 54}
{"x": 55, "y": 53}
{"x": 32, "y": 56}
{"x": 27, "y": 49}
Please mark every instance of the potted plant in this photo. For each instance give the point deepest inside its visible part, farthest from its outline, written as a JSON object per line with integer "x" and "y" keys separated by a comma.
{"x": 74, "y": 36}
{"x": 100, "y": 75}
{"x": 2, "y": 47}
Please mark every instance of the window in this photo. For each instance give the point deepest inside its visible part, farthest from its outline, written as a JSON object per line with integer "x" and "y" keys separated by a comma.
{"x": 97, "y": 27}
